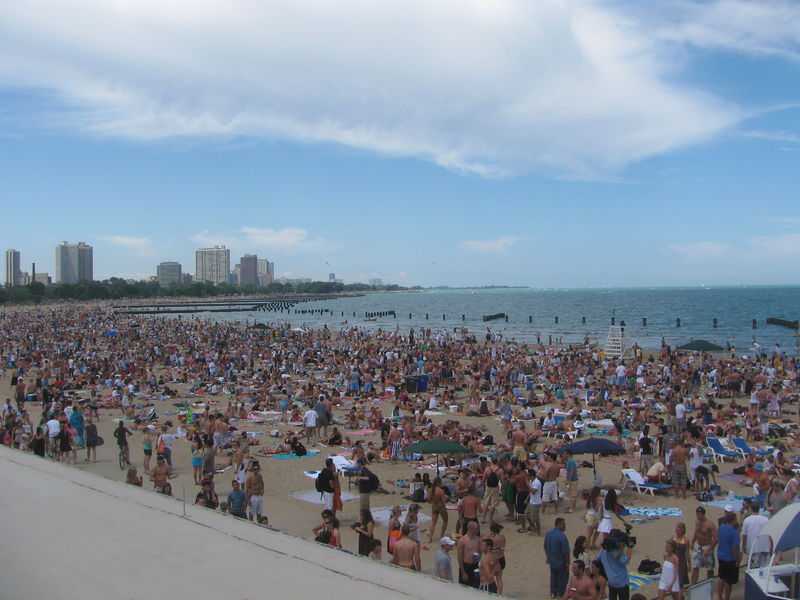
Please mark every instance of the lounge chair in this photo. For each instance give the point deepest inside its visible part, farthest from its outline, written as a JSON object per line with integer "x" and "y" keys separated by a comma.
{"x": 718, "y": 451}
{"x": 746, "y": 450}
{"x": 641, "y": 485}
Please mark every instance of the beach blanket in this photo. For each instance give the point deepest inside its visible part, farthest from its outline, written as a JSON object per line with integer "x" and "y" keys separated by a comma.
{"x": 721, "y": 504}
{"x": 654, "y": 511}
{"x": 314, "y": 497}
{"x": 638, "y": 580}
{"x": 293, "y": 456}
{"x": 382, "y": 515}
{"x": 361, "y": 432}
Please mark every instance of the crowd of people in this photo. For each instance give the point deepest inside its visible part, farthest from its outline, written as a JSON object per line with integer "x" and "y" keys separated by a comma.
{"x": 513, "y": 407}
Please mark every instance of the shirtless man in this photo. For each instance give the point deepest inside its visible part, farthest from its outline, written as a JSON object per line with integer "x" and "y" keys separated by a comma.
{"x": 469, "y": 554}
{"x": 406, "y": 551}
{"x": 161, "y": 476}
{"x": 491, "y": 574}
{"x": 469, "y": 507}
{"x": 677, "y": 463}
{"x": 550, "y": 474}
{"x": 491, "y": 497}
{"x": 581, "y": 586}
{"x": 518, "y": 439}
{"x": 703, "y": 543}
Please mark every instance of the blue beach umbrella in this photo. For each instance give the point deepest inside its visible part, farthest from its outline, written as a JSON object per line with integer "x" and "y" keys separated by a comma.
{"x": 593, "y": 446}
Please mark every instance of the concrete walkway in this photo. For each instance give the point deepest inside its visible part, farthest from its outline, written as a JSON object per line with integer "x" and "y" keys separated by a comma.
{"x": 69, "y": 534}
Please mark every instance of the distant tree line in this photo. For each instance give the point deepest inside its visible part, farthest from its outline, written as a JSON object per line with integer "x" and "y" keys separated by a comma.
{"x": 117, "y": 289}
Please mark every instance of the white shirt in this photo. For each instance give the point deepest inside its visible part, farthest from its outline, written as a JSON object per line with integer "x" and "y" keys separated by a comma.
{"x": 53, "y": 427}
{"x": 310, "y": 418}
{"x": 536, "y": 492}
{"x": 751, "y": 529}
{"x": 621, "y": 371}
{"x": 680, "y": 411}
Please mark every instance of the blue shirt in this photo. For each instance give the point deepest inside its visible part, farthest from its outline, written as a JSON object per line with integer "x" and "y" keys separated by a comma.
{"x": 236, "y": 502}
{"x": 615, "y": 568}
{"x": 572, "y": 470}
{"x": 556, "y": 548}
{"x": 728, "y": 540}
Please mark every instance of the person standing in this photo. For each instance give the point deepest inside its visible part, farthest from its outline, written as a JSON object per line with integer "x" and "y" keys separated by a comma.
{"x": 571, "y": 467}
{"x": 469, "y": 555}
{"x": 91, "y": 440}
{"x": 751, "y": 544}
{"x": 728, "y": 556}
{"x": 615, "y": 564}
{"x": 670, "y": 581}
{"x": 254, "y": 489}
{"x": 703, "y": 543}
{"x": 444, "y": 564}
{"x": 677, "y": 463}
{"x": 237, "y": 501}
{"x": 556, "y": 549}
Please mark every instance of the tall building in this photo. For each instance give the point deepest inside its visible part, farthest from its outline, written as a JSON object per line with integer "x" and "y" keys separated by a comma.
{"x": 212, "y": 264}
{"x": 266, "y": 272}
{"x": 74, "y": 262}
{"x": 248, "y": 270}
{"x": 13, "y": 274}
{"x": 169, "y": 273}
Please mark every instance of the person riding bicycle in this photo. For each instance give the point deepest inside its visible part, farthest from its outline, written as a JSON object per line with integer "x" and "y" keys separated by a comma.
{"x": 121, "y": 433}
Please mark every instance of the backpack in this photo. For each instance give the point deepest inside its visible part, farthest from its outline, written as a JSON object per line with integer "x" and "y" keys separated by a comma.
{"x": 649, "y": 567}
{"x": 374, "y": 483}
{"x": 322, "y": 482}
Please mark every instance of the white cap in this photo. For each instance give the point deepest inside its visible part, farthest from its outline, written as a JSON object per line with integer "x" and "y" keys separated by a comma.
{"x": 729, "y": 508}
{"x": 447, "y": 541}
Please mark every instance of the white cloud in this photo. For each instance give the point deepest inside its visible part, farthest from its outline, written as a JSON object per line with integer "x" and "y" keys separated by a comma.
{"x": 497, "y": 245}
{"x": 776, "y": 246}
{"x": 755, "y": 27}
{"x": 252, "y": 238}
{"x": 757, "y": 248}
{"x": 140, "y": 246}
{"x": 773, "y": 136}
{"x": 573, "y": 88}
{"x": 281, "y": 239}
{"x": 700, "y": 250}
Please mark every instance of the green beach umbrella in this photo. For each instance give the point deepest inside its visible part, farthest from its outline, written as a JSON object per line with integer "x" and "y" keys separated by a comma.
{"x": 437, "y": 447}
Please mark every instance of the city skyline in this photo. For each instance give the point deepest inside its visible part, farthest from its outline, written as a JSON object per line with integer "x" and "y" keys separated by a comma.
{"x": 568, "y": 144}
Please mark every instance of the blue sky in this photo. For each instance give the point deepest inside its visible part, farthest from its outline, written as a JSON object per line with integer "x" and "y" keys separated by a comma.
{"x": 552, "y": 144}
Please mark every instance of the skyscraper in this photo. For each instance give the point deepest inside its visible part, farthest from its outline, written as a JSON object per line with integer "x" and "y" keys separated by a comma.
{"x": 169, "y": 273}
{"x": 266, "y": 272}
{"x": 13, "y": 274}
{"x": 248, "y": 272}
{"x": 74, "y": 262}
{"x": 212, "y": 264}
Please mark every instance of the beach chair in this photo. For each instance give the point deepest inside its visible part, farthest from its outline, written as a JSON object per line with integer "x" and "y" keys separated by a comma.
{"x": 718, "y": 451}
{"x": 635, "y": 480}
{"x": 746, "y": 450}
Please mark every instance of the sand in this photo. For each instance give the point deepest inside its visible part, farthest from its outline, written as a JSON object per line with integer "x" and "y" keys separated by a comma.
{"x": 526, "y": 574}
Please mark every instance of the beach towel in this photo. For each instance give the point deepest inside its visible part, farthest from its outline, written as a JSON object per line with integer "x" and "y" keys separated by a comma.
{"x": 361, "y": 432}
{"x": 654, "y": 511}
{"x": 293, "y": 456}
{"x": 638, "y": 581}
{"x": 433, "y": 413}
{"x": 314, "y": 497}
{"x": 721, "y": 504}
{"x": 382, "y": 515}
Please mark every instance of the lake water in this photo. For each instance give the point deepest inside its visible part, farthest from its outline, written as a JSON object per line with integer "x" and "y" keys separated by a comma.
{"x": 734, "y": 309}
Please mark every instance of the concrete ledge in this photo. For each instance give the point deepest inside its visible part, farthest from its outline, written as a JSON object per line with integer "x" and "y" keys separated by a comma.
{"x": 69, "y": 534}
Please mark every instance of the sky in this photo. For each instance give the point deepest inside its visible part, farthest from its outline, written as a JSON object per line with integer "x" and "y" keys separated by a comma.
{"x": 447, "y": 142}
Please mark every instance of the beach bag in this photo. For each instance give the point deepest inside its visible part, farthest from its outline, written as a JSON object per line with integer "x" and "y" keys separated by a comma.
{"x": 649, "y": 567}
{"x": 374, "y": 483}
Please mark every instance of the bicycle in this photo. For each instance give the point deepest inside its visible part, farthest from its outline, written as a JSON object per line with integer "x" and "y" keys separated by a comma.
{"x": 123, "y": 457}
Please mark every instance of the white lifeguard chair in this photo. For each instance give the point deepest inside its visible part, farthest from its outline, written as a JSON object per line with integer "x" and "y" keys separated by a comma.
{"x": 615, "y": 344}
